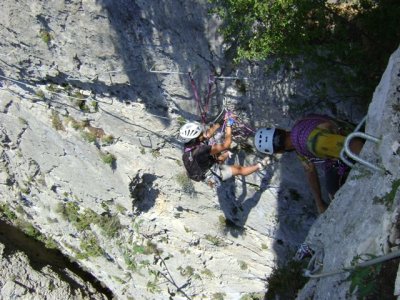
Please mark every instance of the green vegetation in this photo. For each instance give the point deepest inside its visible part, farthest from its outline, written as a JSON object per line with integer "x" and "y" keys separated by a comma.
{"x": 40, "y": 94}
{"x": 181, "y": 120}
{"x": 207, "y": 273}
{"x": 75, "y": 124}
{"x": 80, "y": 101}
{"x": 373, "y": 282}
{"x": 108, "y": 158}
{"x": 215, "y": 240}
{"x": 253, "y": 296}
{"x": 56, "y": 121}
{"x": 108, "y": 139}
{"x": 120, "y": 208}
{"x": 285, "y": 281}
{"x": 388, "y": 199}
{"x": 89, "y": 136}
{"x": 52, "y": 88}
{"x": 95, "y": 106}
{"x": 28, "y": 229}
{"x": 71, "y": 212}
{"x": 334, "y": 40}
{"x": 90, "y": 247}
{"x": 110, "y": 225}
{"x": 23, "y": 121}
{"x": 185, "y": 183}
{"x": 243, "y": 265}
{"x": 6, "y": 211}
{"x": 218, "y": 296}
{"x": 45, "y": 36}
{"x": 188, "y": 271}
{"x": 155, "y": 153}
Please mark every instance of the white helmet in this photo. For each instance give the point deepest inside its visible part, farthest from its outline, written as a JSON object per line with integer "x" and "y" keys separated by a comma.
{"x": 190, "y": 131}
{"x": 264, "y": 140}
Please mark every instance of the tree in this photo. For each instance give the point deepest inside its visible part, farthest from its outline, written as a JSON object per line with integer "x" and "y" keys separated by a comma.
{"x": 337, "y": 39}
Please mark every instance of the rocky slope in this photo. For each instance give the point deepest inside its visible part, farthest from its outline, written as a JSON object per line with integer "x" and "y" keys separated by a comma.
{"x": 363, "y": 219}
{"x": 90, "y": 158}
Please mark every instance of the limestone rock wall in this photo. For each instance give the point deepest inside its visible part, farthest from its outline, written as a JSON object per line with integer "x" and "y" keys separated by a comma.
{"x": 363, "y": 219}
{"x": 90, "y": 159}
{"x": 89, "y": 155}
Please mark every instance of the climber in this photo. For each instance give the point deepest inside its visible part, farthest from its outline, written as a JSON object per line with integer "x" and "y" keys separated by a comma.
{"x": 204, "y": 160}
{"x": 314, "y": 137}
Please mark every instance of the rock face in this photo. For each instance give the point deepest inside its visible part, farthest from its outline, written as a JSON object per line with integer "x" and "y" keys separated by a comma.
{"x": 29, "y": 270}
{"x": 89, "y": 155}
{"x": 363, "y": 219}
{"x": 90, "y": 159}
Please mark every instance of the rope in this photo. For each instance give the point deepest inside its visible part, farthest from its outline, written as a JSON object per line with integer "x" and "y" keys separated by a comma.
{"x": 380, "y": 259}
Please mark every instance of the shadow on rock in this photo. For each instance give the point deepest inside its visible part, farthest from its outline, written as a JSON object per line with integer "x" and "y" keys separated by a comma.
{"x": 236, "y": 208}
{"x": 143, "y": 193}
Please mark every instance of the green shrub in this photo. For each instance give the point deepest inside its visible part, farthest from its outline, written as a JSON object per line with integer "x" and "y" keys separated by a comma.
{"x": 89, "y": 136}
{"x": 82, "y": 221}
{"x": 333, "y": 38}
{"x": 218, "y": 296}
{"x": 207, "y": 273}
{"x": 40, "y": 94}
{"x": 156, "y": 153}
{"x": 372, "y": 282}
{"x": 185, "y": 183}
{"x": 56, "y": 121}
{"x": 188, "y": 271}
{"x": 108, "y": 139}
{"x": 90, "y": 247}
{"x": 243, "y": 265}
{"x": 109, "y": 224}
{"x": 75, "y": 124}
{"x": 22, "y": 121}
{"x": 285, "y": 281}
{"x": 95, "y": 106}
{"x": 6, "y": 211}
{"x": 216, "y": 241}
{"x": 181, "y": 121}
{"x": 45, "y": 36}
{"x": 108, "y": 158}
{"x": 388, "y": 199}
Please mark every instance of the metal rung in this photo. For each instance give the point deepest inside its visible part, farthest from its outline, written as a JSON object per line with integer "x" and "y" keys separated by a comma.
{"x": 347, "y": 152}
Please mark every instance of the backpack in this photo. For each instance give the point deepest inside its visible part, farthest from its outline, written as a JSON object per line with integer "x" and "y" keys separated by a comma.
{"x": 194, "y": 170}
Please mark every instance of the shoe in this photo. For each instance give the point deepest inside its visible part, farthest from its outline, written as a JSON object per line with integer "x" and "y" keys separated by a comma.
{"x": 303, "y": 252}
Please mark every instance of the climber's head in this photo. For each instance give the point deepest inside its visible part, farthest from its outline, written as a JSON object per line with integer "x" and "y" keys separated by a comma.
{"x": 271, "y": 140}
{"x": 190, "y": 131}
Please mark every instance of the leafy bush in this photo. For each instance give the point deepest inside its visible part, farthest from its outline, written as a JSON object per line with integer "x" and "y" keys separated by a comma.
{"x": 90, "y": 247}
{"x": 185, "y": 183}
{"x": 108, "y": 159}
{"x": 56, "y": 121}
{"x": 7, "y": 212}
{"x": 109, "y": 224}
{"x": 373, "y": 282}
{"x": 334, "y": 40}
{"x": 89, "y": 136}
{"x": 285, "y": 281}
{"x": 45, "y": 36}
{"x": 108, "y": 139}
